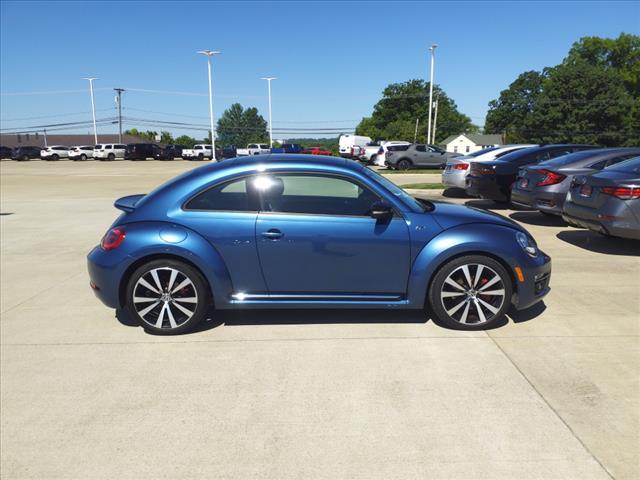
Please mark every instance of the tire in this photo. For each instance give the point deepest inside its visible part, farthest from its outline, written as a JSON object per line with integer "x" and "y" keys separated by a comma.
{"x": 373, "y": 159}
{"x": 166, "y": 314}
{"x": 111, "y": 157}
{"x": 403, "y": 164}
{"x": 55, "y": 157}
{"x": 25, "y": 158}
{"x": 200, "y": 157}
{"x": 461, "y": 307}
{"x": 83, "y": 157}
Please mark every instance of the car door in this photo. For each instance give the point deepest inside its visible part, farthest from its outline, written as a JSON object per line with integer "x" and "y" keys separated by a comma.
{"x": 420, "y": 156}
{"x": 315, "y": 237}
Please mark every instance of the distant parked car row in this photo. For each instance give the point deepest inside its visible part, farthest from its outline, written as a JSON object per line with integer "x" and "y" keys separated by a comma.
{"x": 590, "y": 187}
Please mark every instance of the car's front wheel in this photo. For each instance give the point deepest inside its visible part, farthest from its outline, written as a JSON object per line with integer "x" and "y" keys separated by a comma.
{"x": 404, "y": 164}
{"x": 167, "y": 297}
{"x": 471, "y": 293}
{"x": 83, "y": 157}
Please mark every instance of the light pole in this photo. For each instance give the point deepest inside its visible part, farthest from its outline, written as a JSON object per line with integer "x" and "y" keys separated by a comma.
{"x": 93, "y": 106}
{"x": 432, "y": 49}
{"x": 435, "y": 121}
{"x": 209, "y": 54}
{"x": 119, "y": 102}
{"x": 268, "y": 79}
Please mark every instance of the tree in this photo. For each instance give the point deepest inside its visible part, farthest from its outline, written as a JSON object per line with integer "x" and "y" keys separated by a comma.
{"x": 239, "y": 127}
{"x": 186, "y": 140}
{"x": 511, "y": 112}
{"x": 394, "y": 116}
{"x": 166, "y": 138}
{"x": 582, "y": 103}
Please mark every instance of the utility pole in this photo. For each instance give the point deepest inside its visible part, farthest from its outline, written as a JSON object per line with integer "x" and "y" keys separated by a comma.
{"x": 415, "y": 135}
{"x": 93, "y": 106}
{"x": 435, "y": 120}
{"x": 432, "y": 49}
{"x": 209, "y": 54}
{"x": 119, "y": 102}
{"x": 268, "y": 79}
{"x": 45, "y": 137}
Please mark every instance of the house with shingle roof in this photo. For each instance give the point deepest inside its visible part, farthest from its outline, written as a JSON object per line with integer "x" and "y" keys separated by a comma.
{"x": 470, "y": 142}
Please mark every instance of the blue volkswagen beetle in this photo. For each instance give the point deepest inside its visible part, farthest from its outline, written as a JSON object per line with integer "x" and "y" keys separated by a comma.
{"x": 298, "y": 231}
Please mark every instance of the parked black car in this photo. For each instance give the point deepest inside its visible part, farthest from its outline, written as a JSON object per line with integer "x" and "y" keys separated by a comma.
{"x": 170, "y": 152}
{"x": 26, "y": 153}
{"x": 493, "y": 180}
{"x": 5, "y": 152}
{"x": 545, "y": 185}
{"x": 141, "y": 151}
{"x": 230, "y": 151}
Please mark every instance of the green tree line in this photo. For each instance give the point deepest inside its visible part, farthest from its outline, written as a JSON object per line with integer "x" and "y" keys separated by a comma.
{"x": 593, "y": 97}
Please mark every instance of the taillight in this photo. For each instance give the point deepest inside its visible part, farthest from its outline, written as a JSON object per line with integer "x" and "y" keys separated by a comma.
{"x": 460, "y": 166}
{"x": 113, "y": 238}
{"x": 484, "y": 169}
{"x": 550, "y": 178}
{"x": 623, "y": 193}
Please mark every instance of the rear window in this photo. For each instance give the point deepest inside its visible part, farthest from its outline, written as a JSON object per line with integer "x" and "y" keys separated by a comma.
{"x": 397, "y": 148}
{"x": 629, "y": 166}
{"x": 483, "y": 151}
{"x": 98, "y": 147}
{"x": 567, "y": 159}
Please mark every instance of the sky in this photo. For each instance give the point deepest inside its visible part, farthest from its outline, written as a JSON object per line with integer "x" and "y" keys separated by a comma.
{"x": 331, "y": 59}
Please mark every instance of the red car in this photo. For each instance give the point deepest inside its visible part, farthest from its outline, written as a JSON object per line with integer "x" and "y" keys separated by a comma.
{"x": 316, "y": 151}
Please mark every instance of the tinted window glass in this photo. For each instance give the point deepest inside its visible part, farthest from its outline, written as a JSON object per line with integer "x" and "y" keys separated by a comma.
{"x": 483, "y": 151}
{"x": 98, "y": 147}
{"x": 421, "y": 148}
{"x": 314, "y": 194}
{"x": 230, "y": 196}
{"x": 629, "y": 166}
{"x": 567, "y": 159}
{"x": 397, "y": 148}
{"x": 121, "y": 146}
{"x": 559, "y": 153}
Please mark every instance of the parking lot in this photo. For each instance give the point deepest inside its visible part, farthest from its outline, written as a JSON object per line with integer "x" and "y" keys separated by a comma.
{"x": 552, "y": 394}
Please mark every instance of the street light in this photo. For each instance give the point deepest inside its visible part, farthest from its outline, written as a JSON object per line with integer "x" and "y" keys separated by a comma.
{"x": 209, "y": 54}
{"x": 268, "y": 79}
{"x": 93, "y": 106}
{"x": 432, "y": 49}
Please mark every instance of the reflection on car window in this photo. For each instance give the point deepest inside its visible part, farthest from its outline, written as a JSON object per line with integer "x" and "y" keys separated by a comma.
{"x": 230, "y": 196}
{"x": 314, "y": 194}
{"x": 395, "y": 190}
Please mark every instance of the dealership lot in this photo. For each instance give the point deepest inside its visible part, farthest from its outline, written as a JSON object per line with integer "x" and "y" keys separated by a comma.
{"x": 304, "y": 394}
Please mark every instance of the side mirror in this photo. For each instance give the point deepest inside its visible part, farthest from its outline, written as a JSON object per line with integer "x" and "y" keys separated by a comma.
{"x": 381, "y": 211}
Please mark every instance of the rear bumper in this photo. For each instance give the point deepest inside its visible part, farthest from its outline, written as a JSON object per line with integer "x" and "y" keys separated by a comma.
{"x": 487, "y": 188}
{"x": 548, "y": 202}
{"x": 105, "y": 271}
{"x": 599, "y": 221}
{"x": 455, "y": 178}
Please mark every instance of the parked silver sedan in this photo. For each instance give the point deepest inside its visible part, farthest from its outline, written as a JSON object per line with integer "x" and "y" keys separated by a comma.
{"x": 544, "y": 186}
{"x": 607, "y": 202}
{"x": 457, "y": 168}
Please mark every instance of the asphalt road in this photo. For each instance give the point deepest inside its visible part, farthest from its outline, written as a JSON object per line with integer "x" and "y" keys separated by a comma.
{"x": 553, "y": 394}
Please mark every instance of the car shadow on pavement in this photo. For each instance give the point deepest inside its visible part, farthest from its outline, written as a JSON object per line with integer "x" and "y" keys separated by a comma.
{"x": 598, "y": 243}
{"x": 455, "y": 192}
{"x": 537, "y": 218}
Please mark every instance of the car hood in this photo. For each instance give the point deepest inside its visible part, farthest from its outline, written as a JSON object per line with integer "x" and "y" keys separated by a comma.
{"x": 450, "y": 215}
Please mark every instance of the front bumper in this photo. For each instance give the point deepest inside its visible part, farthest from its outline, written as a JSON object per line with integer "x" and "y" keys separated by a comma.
{"x": 537, "y": 275}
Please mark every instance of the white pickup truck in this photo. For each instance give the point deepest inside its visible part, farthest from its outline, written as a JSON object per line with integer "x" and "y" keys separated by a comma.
{"x": 374, "y": 152}
{"x": 253, "y": 149}
{"x": 198, "y": 152}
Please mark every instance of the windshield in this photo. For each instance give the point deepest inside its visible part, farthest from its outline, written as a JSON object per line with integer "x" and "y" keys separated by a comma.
{"x": 629, "y": 166}
{"x": 407, "y": 199}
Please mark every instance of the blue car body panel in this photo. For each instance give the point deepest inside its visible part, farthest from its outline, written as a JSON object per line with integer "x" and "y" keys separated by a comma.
{"x": 319, "y": 261}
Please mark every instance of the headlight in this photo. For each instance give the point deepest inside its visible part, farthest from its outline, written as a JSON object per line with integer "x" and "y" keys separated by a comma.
{"x": 527, "y": 243}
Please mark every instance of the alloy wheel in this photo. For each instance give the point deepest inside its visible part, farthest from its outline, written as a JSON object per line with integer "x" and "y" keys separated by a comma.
{"x": 473, "y": 294}
{"x": 165, "y": 298}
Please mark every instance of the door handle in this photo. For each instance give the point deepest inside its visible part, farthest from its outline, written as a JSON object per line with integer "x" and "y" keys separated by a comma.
{"x": 273, "y": 234}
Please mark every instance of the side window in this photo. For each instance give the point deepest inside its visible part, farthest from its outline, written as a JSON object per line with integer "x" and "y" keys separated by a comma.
{"x": 421, "y": 148}
{"x": 230, "y": 196}
{"x": 314, "y": 195}
{"x": 198, "y": 147}
{"x": 613, "y": 161}
{"x": 558, "y": 153}
{"x": 108, "y": 147}
{"x": 599, "y": 165}
{"x": 467, "y": 149}
{"x": 542, "y": 156}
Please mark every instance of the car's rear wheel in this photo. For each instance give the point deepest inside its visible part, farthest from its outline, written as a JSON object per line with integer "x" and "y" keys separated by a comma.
{"x": 111, "y": 157}
{"x": 471, "y": 293}
{"x": 55, "y": 157}
{"x": 167, "y": 297}
{"x": 403, "y": 164}
{"x": 83, "y": 157}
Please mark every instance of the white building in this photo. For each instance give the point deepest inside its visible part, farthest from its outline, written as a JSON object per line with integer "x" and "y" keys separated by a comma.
{"x": 470, "y": 142}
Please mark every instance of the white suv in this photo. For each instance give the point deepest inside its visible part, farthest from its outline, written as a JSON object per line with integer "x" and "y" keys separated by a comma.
{"x": 55, "y": 152}
{"x": 108, "y": 151}
{"x": 81, "y": 152}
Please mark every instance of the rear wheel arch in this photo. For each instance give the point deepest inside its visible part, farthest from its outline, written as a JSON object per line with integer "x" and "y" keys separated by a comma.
{"x": 124, "y": 280}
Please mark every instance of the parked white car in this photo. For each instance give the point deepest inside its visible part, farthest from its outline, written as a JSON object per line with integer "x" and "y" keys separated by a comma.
{"x": 374, "y": 152}
{"x": 109, "y": 151}
{"x": 55, "y": 152}
{"x": 81, "y": 152}
{"x": 198, "y": 152}
{"x": 456, "y": 169}
{"x": 348, "y": 144}
{"x": 253, "y": 149}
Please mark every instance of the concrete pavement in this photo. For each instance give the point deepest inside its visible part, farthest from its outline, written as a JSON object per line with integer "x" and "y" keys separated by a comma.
{"x": 302, "y": 394}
